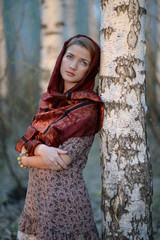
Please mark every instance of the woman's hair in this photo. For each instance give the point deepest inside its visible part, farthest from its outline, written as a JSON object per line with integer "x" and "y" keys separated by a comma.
{"x": 83, "y": 42}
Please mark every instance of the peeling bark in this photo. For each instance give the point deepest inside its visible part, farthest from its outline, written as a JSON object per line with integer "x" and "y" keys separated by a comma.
{"x": 126, "y": 169}
{"x": 103, "y": 3}
{"x": 107, "y": 32}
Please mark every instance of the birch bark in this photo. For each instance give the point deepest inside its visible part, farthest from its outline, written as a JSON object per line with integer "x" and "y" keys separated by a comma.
{"x": 69, "y": 18}
{"x": 94, "y": 19}
{"x": 81, "y": 11}
{"x": 126, "y": 169}
{"x": 51, "y": 37}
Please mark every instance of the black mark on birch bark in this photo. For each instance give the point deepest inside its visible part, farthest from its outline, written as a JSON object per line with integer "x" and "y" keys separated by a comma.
{"x": 143, "y": 42}
{"x": 117, "y": 105}
{"x": 53, "y": 33}
{"x": 143, "y": 72}
{"x": 132, "y": 37}
{"x": 107, "y": 80}
{"x": 121, "y": 8}
{"x": 43, "y": 26}
{"x": 133, "y": 9}
{"x": 134, "y": 12}
{"x": 107, "y": 32}
{"x": 118, "y": 204}
{"x": 125, "y": 67}
{"x": 142, "y": 11}
{"x": 103, "y": 161}
{"x": 59, "y": 24}
{"x": 139, "y": 177}
{"x": 103, "y": 3}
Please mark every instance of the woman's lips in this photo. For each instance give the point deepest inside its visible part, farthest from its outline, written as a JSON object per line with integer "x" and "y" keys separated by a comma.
{"x": 70, "y": 74}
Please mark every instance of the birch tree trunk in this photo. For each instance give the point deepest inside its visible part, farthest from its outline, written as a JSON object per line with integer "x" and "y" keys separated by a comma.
{"x": 81, "y": 12}
{"x": 126, "y": 169}
{"x": 51, "y": 37}
{"x": 94, "y": 19}
{"x": 69, "y": 17}
{"x": 3, "y": 83}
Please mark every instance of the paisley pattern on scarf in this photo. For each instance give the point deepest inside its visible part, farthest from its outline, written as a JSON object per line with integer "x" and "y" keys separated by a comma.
{"x": 57, "y": 204}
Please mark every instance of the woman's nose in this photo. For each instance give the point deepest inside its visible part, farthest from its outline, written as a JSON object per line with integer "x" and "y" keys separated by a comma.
{"x": 73, "y": 65}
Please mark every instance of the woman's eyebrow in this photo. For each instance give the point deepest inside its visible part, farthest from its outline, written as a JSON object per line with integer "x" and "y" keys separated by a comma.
{"x": 69, "y": 53}
{"x": 85, "y": 60}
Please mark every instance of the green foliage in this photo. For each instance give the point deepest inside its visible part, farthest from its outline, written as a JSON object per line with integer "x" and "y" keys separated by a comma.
{"x": 3, "y": 200}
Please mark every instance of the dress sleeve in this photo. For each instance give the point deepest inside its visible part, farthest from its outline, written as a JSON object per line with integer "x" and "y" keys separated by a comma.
{"x": 31, "y": 145}
{"x": 77, "y": 146}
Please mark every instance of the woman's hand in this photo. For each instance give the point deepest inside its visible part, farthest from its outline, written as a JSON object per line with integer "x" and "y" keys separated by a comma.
{"x": 55, "y": 158}
{"x": 23, "y": 150}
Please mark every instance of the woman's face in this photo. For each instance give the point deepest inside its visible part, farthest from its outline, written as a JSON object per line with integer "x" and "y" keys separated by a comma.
{"x": 75, "y": 64}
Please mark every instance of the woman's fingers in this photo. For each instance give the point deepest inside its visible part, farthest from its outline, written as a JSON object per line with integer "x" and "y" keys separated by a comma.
{"x": 61, "y": 163}
{"x": 60, "y": 151}
{"x": 56, "y": 166}
{"x": 23, "y": 150}
{"x": 54, "y": 157}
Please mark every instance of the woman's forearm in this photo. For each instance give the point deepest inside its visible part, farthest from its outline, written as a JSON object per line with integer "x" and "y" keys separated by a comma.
{"x": 35, "y": 162}
{"x": 47, "y": 158}
{"x": 56, "y": 158}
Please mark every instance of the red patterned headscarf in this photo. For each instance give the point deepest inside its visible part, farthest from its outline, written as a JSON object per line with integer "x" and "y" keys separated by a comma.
{"x": 75, "y": 113}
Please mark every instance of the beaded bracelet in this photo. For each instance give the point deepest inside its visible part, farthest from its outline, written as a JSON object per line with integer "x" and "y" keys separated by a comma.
{"x": 20, "y": 162}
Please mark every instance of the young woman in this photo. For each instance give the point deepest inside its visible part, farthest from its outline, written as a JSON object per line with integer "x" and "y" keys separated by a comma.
{"x": 56, "y": 148}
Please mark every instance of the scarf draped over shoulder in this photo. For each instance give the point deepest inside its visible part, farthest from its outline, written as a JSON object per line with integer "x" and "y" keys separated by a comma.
{"x": 76, "y": 113}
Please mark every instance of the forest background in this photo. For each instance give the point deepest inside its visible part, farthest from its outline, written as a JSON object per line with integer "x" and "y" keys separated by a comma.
{"x": 31, "y": 35}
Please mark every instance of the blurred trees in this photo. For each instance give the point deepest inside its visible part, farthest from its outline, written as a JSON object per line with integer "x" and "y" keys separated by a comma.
{"x": 153, "y": 65}
{"x": 21, "y": 33}
{"x": 69, "y": 18}
{"x": 153, "y": 83}
{"x": 3, "y": 60}
{"x": 20, "y": 22}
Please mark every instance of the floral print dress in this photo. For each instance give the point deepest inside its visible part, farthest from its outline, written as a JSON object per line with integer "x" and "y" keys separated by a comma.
{"x": 57, "y": 205}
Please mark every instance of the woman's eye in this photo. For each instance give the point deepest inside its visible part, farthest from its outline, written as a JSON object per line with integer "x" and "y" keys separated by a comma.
{"x": 84, "y": 63}
{"x": 68, "y": 56}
